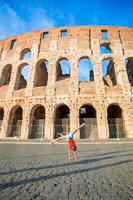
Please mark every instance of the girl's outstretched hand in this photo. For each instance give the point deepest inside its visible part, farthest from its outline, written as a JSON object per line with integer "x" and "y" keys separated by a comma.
{"x": 82, "y": 125}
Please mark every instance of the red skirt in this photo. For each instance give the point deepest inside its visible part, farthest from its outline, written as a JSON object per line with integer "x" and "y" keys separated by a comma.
{"x": 71, "y": 143}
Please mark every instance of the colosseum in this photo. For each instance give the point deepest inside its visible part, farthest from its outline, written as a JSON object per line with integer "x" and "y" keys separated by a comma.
{"x": 53, "y": 80}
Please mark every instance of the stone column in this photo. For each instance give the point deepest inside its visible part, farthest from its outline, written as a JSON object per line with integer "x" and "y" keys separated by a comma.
{"x": 99, "y": 84}
{"x": 5, "y": 122}
{"x": 74, "y": 119}
{"x": 12, "y": 81}
{"x": 74, "y": 85}
{"x": 25, "y": 123}
{"x": 102, "y": 122}
{"x": 49, "y": 123}
{"x": 100, "y": 90}
{"x": 51, "y": 78}
{"x": 30, "y": 82}
{"x": 128, "y": 119}
{"x": 122, "y": 77}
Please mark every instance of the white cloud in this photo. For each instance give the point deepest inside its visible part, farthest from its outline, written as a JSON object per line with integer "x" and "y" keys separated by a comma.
{"x": 40, "y": 19}
{"x": 11, "y": 23}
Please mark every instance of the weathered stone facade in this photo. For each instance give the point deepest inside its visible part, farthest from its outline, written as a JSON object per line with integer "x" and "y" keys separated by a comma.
{"x": 49, "y": 101}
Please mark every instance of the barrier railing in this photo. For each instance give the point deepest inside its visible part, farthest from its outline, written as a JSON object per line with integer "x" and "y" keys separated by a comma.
{"x": 89, "y": 131}
{"x": 14, "y": 131}
{"x": 62, "y": 129}
{"x": 37, "y": 132}
{"x": 116, "y": 131}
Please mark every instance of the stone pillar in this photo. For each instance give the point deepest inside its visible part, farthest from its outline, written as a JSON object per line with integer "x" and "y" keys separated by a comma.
{"x": 49, "y": 119}
{"x": 100, "y": 89}
{"x": 49, "y": 122}
{"x": 122, "y": 77}
{"x": 99, "y": 84}
{"x": 74, "y": 85}
{"x": 5, "y": 124}
{"x": 25, "y": 123}
{"x": 102, "y": 123}
{"x": 51, "y": 91}
{"x": 12, "y": 81}
{"x": 30, "y": 83}
{"x": 128, "y": 119}
{"x": 51, "y": 78}
{"x": 74, "y": 119}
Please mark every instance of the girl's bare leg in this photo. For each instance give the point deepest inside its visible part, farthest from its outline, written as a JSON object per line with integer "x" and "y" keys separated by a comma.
{"x": 75, "y": 155}
{"x": 69, "y": 153}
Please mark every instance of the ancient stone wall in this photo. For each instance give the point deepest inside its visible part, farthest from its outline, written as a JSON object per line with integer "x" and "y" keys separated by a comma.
{"x": 50, "y": 100}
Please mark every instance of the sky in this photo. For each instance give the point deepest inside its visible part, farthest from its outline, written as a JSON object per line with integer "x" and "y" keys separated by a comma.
{"x": 20, "y": 16}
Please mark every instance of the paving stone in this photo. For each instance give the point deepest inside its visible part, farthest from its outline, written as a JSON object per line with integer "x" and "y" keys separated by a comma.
{"x": 37, "y": 172}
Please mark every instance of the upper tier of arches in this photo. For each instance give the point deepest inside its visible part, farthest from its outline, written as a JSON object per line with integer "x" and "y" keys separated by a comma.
{"x": 84, "y": 69}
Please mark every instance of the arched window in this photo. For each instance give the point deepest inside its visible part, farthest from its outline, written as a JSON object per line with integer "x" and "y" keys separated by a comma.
{"x": 85, "y": 70}
{"x": 22, "y": 76}
{"x": 129, "y": 68}
{"x": 6, "y": 75}
{"x": 115, "y": 121}
{"x": 37, "y": 122}
{"x": 105, "y": 49}
{"x": 62, "y": 120}
{"x": 41, "y": 74}
{"x": 15, "y": 122}
{"x": 108, "y": 72}
{"x": 25, "y": 54}
{"x": 62, "y": 69}
{"x": 87, "y": 115}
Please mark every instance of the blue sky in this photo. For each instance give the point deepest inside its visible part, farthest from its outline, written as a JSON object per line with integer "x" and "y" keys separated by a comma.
{"x": 19, "y": 16}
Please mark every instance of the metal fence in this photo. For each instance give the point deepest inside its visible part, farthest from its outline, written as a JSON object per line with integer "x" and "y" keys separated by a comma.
{"x": 89, "y": 131}
{"x": 116, "y": 131}
{"x": 37, "y": 132}
{"x": 62, "y": 129}
{"x": 14, "y": 131}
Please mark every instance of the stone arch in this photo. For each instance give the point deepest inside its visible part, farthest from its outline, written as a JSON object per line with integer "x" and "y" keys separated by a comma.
{"x": 6, "y": 75}
{"x": 61, "y": 119}
{"x": 15, "y": 122}
{"x": 105, "y": 48}
{"x": 87, "y": 115}
{"x": 22, "y": 76}
{"x": 62, "y": 69}
{"x": 115, "y": 121}
{"x": 129, "y": 69}
{"x": 25, "y": 54}
{"x": 41, "y": 73}
{"x": 37, "y": 122}
{"x": 108, "y": 72}
{"x": 1, "y": 116}
{"x": 85, "y": 69}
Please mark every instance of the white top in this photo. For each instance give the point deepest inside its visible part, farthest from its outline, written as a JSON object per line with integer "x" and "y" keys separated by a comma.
{"x": 69, "y": 136}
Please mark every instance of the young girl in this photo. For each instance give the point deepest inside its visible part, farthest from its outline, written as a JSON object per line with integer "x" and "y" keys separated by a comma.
{"x": 70, "y": 141}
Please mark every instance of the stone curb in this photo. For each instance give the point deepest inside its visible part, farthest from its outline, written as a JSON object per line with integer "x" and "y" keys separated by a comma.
{"x": 60, "y": 143}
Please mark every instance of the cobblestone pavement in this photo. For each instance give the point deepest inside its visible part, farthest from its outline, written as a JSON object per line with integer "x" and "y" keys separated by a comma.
{"x": 42, "y": 172}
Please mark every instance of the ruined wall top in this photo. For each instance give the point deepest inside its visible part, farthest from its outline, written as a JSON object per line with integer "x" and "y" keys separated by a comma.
{"x": 125, "y": 34}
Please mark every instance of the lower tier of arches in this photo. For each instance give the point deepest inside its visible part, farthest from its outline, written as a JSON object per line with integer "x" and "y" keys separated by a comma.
{"x": 36, "y": 124}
